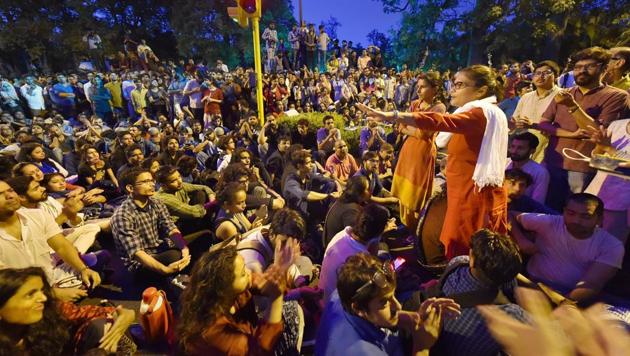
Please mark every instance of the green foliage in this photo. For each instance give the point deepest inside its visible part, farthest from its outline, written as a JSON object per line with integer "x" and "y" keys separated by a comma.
{"x": 461, "y": 32}
{"x": 351, "y": 137}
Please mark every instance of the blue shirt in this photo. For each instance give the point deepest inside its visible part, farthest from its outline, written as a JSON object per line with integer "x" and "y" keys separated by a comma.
{"x": 59, "y": 89}
{"x": 343, "y": 334}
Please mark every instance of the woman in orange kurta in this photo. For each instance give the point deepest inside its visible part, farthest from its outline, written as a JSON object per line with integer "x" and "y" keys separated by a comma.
{"x": 474, "y": 174}
{"x": 413, "y": 177}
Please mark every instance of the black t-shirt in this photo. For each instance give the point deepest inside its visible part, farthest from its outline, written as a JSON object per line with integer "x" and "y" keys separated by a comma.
{"x": 339, "y": 216}
{"x": 308, "y": 141}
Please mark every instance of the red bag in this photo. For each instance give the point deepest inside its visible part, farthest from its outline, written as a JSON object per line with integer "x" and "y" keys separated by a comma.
{"x": 156, "y": 317}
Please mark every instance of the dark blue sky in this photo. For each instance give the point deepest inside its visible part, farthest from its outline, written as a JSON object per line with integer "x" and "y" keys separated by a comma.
{"x": 357, "y": 17}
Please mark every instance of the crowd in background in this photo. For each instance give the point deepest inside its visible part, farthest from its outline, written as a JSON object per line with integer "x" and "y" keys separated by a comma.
{"x": 270, "y": 236}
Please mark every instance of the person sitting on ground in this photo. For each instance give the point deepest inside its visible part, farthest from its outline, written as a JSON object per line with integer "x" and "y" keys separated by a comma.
{"x": 178, "y": 197}
{"x": 363, "y": 236}
{"x": 95, "y": 172}
{"x": 259, "y": 174}
{"x": 364, "y": 317}
{"x": 257, "y": 195}
{"x": 170, "y": 151}
{"x": 345, "y": 210}
{"x": 370, "y": 170}
{"x": 277, "y": 160}
{"x": 43, "y": 234}
{"x": 55, "y": 185}
{"x": 516, "y": 183}
{"x": 486, "y": 276}
{"x": 145, "y": 236}
{"x": 34, "y": 152}
{"x": 327, "y": 136}
{"x": 570, "y": 253}
{"x": 341, "y": 164}
{"x": 36, "y": 322}
{"x": 134, "y": 157}
{"x": 218, "y": 313}
{"x": 231, "y": 222}
{"x": 521, "y": 148}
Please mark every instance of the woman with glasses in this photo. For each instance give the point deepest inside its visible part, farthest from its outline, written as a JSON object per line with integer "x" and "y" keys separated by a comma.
{"x": 477, "y": 158}
{"x": 364, "y": 317}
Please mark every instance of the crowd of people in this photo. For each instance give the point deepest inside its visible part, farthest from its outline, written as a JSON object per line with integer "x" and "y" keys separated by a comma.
{"x": 270, "y": 238}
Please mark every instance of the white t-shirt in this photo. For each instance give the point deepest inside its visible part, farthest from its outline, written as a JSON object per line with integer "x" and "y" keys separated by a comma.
{"x": 614, "y": 191}
{"x": 339, "y": 249}
{"x": 562, "y": 259}
{"x": 540, "y": 180}
{"x": 195, "y": 98}
{"x": 323, "y": 41}
{"x": 33, "y": 96}
{"x": 33, "y": 251}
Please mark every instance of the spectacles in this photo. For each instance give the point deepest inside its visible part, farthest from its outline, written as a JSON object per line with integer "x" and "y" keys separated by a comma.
{"x": 543, "y": 73}
{"x": 616, "y": 58}
{"x": 589, "y": 66}
{"x": 460, "y": 85}
{"x": 379, "y": 279}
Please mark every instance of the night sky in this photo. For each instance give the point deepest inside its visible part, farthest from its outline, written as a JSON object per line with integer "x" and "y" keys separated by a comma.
{"x": 357, "y": 17}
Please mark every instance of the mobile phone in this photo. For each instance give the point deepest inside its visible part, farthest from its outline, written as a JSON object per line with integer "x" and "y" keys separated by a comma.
{"x": 398, "y": 262}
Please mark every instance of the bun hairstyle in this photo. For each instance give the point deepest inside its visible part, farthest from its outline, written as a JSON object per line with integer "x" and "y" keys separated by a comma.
{"x": 484, "y": 76}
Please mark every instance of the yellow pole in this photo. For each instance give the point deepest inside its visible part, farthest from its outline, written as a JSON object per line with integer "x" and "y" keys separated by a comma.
{"x": 258, "y": 68}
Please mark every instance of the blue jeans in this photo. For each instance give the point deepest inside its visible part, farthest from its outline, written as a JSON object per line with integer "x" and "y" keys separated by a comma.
{"x": 321, "y": 57}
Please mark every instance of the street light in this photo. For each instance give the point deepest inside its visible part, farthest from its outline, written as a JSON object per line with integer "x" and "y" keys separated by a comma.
{"x": 245, "y": 10}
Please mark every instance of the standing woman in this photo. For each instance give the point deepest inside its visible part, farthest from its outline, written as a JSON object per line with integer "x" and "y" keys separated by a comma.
{"x": 477, "y": 156}
{"x": 413, "y": 177}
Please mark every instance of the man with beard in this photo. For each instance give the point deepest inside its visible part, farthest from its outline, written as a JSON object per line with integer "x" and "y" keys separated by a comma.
{"x": 145, "y": 236}
{"x": 33, "y": 196}
{"x": 570, "y": 253}
{"x": 589, "y": 104}
{"x": 520, "y": 151}
{"x": 618, "y": 69}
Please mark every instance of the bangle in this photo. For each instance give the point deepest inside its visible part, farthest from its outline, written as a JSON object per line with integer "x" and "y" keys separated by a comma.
{"x": 573, "y": 109}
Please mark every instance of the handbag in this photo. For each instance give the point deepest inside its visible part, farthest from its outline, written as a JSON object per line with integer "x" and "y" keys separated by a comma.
{"x": 156, "y": 317}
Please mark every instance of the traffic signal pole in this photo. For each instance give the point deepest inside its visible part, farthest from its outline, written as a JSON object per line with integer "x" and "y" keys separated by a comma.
{"x": 258, "y": 69}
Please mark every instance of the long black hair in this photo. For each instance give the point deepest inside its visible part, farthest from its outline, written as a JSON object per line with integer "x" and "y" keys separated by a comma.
{"x": 46, "y": 337}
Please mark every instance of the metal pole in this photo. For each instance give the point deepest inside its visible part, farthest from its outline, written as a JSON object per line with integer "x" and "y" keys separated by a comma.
{"x": 300, "y": 7}
{"x": 258, "y": 68}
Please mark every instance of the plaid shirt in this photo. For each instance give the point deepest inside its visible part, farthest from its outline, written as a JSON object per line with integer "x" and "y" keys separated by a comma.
{"x": 468, "y": 334}
{"x": 141, "y": 229}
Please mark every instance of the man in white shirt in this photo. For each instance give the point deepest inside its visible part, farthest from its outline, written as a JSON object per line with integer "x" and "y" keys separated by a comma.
{"x": 26, "y": 238}
{"x": 34, "y": 96}
{"x": 521, "y": 148}
{"x": 532, "y": 105}
{"x": 322, "y": 47}
{"x": 363, "y": 236}
{"x": 270, "y": 36}
{"x": 570, "y": 252}
{"x": 222, "y": 67}
{"x": 33, "y": 196}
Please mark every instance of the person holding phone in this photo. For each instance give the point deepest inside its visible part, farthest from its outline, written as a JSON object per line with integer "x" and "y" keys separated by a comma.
{"x": 231, "y": 221}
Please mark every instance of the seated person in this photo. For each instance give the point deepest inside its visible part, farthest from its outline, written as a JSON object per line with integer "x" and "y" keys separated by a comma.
{"x": 187, "y": 168}
{"x": 277, "y": 160}
{"x": 363, "y": 236}
{"x": 522, "y": 147}
{"x": 32, "y": 170}
{"x": 145, "y": 236}
{"x": 257, "y": 195}
{"x": 369, "y": 169}
{"x": 341, "y": 164}
{"x": 516, "y": 183}
{"x": 95, "y": 172}
{"x": 364, "y": 317}
{"x": 178, "y": 197}
{"x": 304, "y": 135}
{"x": 55, "y": 185}
{"x": 386, "y": 165}
{"x": 134, "y": 157}
{"x": 218, "y": 313}
{"x": 486, "y": 276}
{"x": 257, "y": 169}
{"x": 43, "y": 235}
{"x": 170, "y": 151}
{"x": 307, "y": 192}
{"x": 569, "y": 252}
{"x": 34, "y": 152}
{"x": 372, "y": 136}
{"x": 345, "y": 210}
{"x": 327, "y": 136}
{"x": 42, "y": 324}
{"x": 231, "y": 222}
